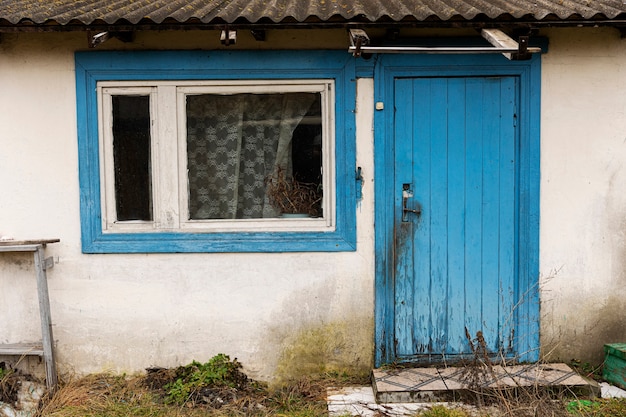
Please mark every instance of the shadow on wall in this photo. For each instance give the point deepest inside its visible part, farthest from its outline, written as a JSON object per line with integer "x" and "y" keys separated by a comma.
{"x": 592, "y": 328}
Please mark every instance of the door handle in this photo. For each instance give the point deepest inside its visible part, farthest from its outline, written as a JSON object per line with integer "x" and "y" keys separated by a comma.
{"x": 406, "y": 194}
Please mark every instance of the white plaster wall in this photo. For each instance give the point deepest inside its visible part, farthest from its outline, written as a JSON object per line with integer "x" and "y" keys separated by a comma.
{"x": 129, "y": 312}
{"x": 583, "y": 198}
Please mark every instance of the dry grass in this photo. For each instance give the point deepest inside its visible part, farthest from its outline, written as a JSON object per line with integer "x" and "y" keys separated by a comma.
{"x": 289, "y": 195}
{"x": 111, "y": 396}
{"x": 106, "y": 395}
{"x": 510, "y": 401}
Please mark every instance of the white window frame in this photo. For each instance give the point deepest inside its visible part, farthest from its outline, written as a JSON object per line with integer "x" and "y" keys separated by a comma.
{"x": 169, "y": 158}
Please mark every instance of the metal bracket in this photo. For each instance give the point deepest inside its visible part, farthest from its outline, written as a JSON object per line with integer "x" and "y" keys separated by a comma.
{"x": 97, "y": 39}
{"x": 101, "y": 37}
{"x": 258, "y": 34}
{"x": 358, "y": 39}
{"x": 499, "y": 39}
{"x": 228, "y": 37}
{"x": 48, "y": 263}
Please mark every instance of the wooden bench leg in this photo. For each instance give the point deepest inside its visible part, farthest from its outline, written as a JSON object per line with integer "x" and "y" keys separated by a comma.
{"x": 41, "y": 264}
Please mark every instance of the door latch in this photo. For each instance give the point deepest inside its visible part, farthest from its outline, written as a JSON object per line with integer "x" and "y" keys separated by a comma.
{"x": 406, "y": 194}
{"x": 359, "y": 184}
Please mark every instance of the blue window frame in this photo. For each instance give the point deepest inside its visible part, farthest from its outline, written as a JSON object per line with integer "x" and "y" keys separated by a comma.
{"x": 95, "y": 69}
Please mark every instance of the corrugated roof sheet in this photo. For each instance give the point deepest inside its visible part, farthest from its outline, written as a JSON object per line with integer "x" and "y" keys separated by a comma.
{"x": 88, "y": 12}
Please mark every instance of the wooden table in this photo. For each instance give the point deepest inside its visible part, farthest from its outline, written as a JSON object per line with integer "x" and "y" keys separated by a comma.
{"x": 44, "y": 348}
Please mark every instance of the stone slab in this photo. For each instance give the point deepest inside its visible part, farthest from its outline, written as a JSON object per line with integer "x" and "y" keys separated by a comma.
{"x": 407, "y": 385}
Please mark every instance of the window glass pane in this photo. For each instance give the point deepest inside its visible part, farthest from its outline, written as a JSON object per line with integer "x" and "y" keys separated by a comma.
{"x": 131, "y": 156}
{"x": 254, "y": 155}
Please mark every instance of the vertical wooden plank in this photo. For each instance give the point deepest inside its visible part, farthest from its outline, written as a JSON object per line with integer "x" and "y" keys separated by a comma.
{"x": 457, "y": 150}
{"x": 422, "y": 194}
{"x": 508, "y": 212}
{"x": 490, "y": 221}
{"x": 474, "y": 188}
{"x": 404, "y": 281}
{"x": 439, "y": 213}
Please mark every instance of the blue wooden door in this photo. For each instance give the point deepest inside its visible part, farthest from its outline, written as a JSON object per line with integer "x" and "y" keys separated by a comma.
{"x": 456, "y": 215}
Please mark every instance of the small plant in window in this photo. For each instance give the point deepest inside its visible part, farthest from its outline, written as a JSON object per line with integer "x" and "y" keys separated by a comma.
{"x": 290, "y": 196}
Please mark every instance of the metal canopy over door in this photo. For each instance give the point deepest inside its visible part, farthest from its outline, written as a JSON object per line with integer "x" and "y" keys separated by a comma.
{"x": 456, "y": 221}
{"x": 456, "y": 214}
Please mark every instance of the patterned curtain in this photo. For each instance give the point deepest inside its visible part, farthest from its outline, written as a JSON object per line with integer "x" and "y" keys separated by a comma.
{"x": 234, "y": 142}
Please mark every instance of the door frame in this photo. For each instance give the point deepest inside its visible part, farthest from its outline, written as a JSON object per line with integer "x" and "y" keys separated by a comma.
{"x": 387, "y": 68}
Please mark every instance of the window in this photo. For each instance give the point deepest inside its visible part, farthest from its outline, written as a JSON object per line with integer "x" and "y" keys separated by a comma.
{"x": 234, "y": 159}
{"x": 240, "y": 150}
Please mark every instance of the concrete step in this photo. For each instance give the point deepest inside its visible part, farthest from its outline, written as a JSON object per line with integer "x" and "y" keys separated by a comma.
{"x": 407, "y": 385}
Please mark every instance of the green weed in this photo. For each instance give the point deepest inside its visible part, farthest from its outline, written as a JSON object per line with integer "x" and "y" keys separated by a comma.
{"x": 192, "y": 380}
{"x": 587, "y": 369}
{"x": 442, "y": 411}
{"x": 614, "y": 407}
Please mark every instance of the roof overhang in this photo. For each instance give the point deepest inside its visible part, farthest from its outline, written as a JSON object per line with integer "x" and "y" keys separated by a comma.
{"x": 508, "y": 22}
{"x": 160, "y": 15}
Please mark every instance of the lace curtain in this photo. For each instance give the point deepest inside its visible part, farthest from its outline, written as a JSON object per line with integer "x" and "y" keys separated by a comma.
{"x": 234, "y": 142}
